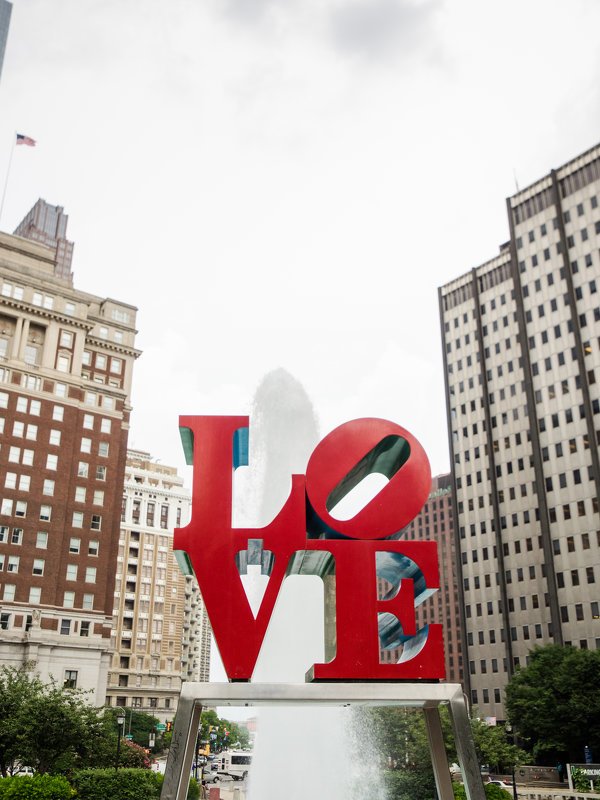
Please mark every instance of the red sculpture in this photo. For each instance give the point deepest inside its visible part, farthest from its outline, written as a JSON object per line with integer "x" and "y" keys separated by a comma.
{"x": 363, "y": 548}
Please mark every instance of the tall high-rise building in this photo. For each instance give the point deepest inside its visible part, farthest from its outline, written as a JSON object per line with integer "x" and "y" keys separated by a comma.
{"x": 435, "y": 523}
{"x": 66, "y": 362}
{"x": 48, "y": 224}
{"x": 521, "y": 340}
{"x": 5, "y": 12}
{"x": 161, "y": 633}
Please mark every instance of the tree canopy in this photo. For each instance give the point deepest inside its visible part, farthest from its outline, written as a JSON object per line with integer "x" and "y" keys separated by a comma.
{"x": 54, "y": 729}
{"x": 554, "y": 703}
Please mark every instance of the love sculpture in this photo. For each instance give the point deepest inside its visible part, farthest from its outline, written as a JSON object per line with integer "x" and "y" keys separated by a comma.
{"x": 304, "y": 538}
{"x": 352, "y": 555}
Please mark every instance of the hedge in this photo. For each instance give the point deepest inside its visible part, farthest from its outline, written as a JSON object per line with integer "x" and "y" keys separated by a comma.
{"x": 122, "y": 784}
{"x": 36, "y": 787}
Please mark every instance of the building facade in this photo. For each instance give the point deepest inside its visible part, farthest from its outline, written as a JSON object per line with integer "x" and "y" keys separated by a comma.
{"x": 160, "y": 631}
{"x": 48, "y": 224}
{"x": 521, "y": 340}
{"x": 435, "y": 523}
{"x": 66, "y": 362}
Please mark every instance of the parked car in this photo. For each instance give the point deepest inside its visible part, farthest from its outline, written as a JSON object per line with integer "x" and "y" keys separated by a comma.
{"x": 501, "y": 782}
{"x": 209, "y": 776}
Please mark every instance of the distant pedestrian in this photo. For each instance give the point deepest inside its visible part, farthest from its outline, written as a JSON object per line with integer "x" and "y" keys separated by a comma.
{"x": 561, "y": 773}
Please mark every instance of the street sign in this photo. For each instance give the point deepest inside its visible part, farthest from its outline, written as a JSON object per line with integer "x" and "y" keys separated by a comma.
{"x": 160, "y": 727}
{"x": 129, "y": 736}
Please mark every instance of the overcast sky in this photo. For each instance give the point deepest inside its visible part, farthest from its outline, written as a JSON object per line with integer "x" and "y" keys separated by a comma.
{"x": 286, "y": 183}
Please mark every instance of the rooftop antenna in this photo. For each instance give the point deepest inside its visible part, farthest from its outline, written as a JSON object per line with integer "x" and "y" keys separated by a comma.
{"x": 515, "y": 177}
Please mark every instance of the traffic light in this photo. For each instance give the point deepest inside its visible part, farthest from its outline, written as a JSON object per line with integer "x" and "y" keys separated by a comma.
{"x": 169, "y": 726}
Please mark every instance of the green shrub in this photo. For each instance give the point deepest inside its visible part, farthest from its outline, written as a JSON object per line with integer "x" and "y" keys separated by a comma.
{"x": 193, "y": 792}
{"x": 123, "y": 784}
{"x": 492, "y": 792}
{"x": 40, "y": 787}
{"x": 406, "y": 784}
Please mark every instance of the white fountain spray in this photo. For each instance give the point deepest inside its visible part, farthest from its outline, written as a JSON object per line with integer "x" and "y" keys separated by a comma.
{"x": 304, "y": 750}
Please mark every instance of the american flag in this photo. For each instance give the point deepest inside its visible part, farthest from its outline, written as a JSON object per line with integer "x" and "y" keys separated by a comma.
{"x": 21, "y": 139}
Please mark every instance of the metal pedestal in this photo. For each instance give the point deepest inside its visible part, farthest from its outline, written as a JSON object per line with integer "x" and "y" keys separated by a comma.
{"x": 428, "y": 696}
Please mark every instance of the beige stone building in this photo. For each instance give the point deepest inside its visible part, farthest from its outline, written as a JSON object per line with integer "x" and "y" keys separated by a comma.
{"x": 160, "y": 634}
{"x": 521, "y": 338}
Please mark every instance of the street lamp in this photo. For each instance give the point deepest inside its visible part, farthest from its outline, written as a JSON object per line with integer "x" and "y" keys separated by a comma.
{"x": 120, "y": 723}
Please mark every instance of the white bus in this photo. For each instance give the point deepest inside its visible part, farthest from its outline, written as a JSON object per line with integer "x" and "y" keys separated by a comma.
{"x": 235, "y": 763}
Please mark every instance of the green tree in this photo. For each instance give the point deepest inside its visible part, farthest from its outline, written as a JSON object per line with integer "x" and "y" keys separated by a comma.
{"x": 401, "y": 737}
{"x": 56, "y": 727}
{"x": 16, "y": 688}
{"x": 48, "y": 727}
{"x": 554, "y": 702}
{"x": 137, "y": 723}
{"x": 495, "y": 748}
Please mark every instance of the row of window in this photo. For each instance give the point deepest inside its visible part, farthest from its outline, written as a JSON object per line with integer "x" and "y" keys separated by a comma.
{"x": 137, "y": 702}
{"x": 21, "y": 430}
{"x": 18, "y": 455}
{"x": 35, "y": 597}
{"x": 136, "y": 513}
{"x": 73, "y": 571}
{"x": 12, "y": 563}
{"x": 102, "y": 362}
{"x": 68, "y": 308}
{"x": 8, "y": 507}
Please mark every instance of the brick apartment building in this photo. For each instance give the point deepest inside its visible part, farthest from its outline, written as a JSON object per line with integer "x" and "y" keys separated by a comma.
{"x": 66, "y": 361}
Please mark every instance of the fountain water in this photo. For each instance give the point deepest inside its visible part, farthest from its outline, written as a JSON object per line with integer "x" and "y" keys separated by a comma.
{"x": 309, "y": 747}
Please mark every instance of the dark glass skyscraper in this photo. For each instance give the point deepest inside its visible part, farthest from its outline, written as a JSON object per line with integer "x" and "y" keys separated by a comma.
{"x": 5, "y": 12}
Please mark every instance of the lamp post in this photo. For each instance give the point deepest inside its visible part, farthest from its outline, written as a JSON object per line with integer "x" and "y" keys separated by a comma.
{"x": 120, "y": 723}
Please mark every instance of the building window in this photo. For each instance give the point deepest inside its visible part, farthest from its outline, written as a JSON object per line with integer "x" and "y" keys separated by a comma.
{"x": 82, "y": 470}
{"x": 77, "y": 519}
{"x": 52, "y": 462}
{"x": 9, "y": 592}
{"x": 96, "y": 524}
{"x": 90, "y": 575}
{"x": 42, "y": 540}
{"x": 69, "y": 599}
{"x": 65, "y": 627}
{"x": 93, "y": 547}
{"x": 100, "y": 473}
{"x": 103, "y": 449}
{"x": 84, "y": 628}
{"x": 38, "y": 566}
{"x": 71, "y": 572}
{"x": 88, "y": 602}
{"x": 48, "y": 487}
{"x": 86, "y": 445}
{"x": 13, "y": 564}
{"x": 70, "y": 681}
{"x": 45, "y": 513}
{"x": 35, "y": 594}
{"x": 74, "y": 544}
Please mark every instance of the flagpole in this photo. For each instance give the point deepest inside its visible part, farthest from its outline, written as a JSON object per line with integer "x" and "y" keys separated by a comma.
{"x": 12, "y": 150}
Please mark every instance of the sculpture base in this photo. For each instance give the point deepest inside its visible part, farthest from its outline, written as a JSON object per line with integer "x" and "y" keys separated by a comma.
{"x": 427, "y": 696}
